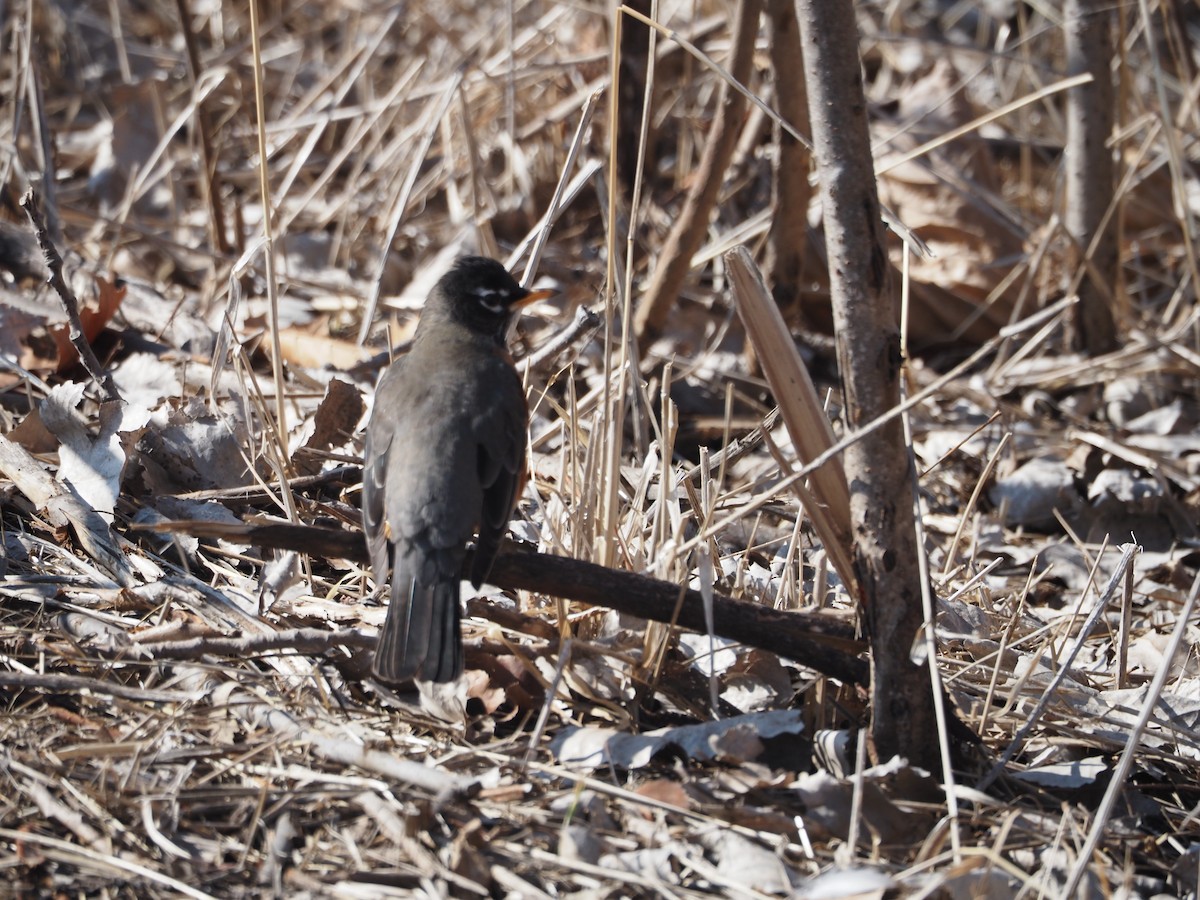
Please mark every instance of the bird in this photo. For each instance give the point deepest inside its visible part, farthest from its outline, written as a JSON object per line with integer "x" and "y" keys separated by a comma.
{"x": 444, "y": 458}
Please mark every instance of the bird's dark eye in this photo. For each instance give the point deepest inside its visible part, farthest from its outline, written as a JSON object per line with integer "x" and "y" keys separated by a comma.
{"x": 491, "y": 299}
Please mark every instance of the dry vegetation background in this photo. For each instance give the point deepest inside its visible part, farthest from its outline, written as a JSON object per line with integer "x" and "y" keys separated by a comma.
{"x": 193, "y": 717}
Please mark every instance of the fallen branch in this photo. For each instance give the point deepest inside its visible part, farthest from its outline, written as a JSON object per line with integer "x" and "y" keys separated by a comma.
{"x": 821, "y": 641}
{"x": 78, "y": 684}
{"x": 308, "y": 641}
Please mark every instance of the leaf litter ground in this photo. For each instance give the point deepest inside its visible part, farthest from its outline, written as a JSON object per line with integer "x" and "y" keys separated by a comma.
{"x": 192, "y": 716}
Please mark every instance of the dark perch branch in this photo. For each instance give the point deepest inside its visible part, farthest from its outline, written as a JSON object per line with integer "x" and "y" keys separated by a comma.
{"x": 70, "y": 303}
{"x": 817, "y": 640}
{"x": 813, "y": 639}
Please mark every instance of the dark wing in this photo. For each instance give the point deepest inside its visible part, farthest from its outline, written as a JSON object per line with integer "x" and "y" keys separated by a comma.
{"x": 376, "y": 450}
{"x": 419, "y": 503}
{"x": 500, "y": 431}
{"x": 424, "y": 491}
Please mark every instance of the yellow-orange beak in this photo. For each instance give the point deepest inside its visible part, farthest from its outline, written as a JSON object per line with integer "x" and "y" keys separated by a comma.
{"x": 534, "y": 296}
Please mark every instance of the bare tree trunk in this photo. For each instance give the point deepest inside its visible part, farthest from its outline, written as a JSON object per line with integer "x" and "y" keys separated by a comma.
{"x": 675, "y": 258}
{"x": 868, "y": 344}
{"x": 1088, "y": 26}
{"x": 631, "y": 93}
{"x": 790, "y": 190}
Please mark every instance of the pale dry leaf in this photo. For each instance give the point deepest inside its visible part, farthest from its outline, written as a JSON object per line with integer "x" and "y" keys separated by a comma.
{"x": 747, "y": 863}
{"x": 714, "y": 656}
{"x": 759, "y": 681}
{"x": 1147, "y": 656}
{"x": 1069, "y": 775}
{"x": 193, "y": 451}
{"x": 1162, "y": 421}
{"x": 1127, "y": 398}
{"x": 859, "y": 883}
{"x": 145, "y": 380}
{"x": 300, "y": 347}
{"x": 655, "y": 863}
{"x": 281, "y": 580}
{"x": 739, "y": 744}
{"x": 92, "y": 467}
{"x": 979, "y": 884}
{"x": 581, "y": 843}
{"x": 594, "y": 747}
{"x": 1031, "y": 494}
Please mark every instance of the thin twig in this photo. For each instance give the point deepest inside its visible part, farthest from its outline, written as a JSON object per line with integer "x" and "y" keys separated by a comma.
{"x": 70, "y": 302}
{"x": 586, "y": 322}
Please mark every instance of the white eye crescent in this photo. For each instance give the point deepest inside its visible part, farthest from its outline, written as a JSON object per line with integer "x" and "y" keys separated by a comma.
{"x": 485, "y": 296}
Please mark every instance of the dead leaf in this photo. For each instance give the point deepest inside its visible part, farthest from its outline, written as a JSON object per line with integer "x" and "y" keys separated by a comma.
{"x": 94, "y": 315}
{"x": 92, "y": 467}
{"x": 333, "y": 424}
{"x": 726, "y": 739}
{"x": 951, "y": 198}
{"x": 665, "y": 791}
{"x": 301, "y": 347}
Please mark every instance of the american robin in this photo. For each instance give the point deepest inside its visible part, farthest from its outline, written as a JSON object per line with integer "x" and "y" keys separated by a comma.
{"x": 445, "y": 454}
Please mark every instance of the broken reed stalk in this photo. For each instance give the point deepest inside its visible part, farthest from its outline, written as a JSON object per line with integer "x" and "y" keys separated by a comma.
{"x": 268, "y": 226}
{"x": 828, "y": 504}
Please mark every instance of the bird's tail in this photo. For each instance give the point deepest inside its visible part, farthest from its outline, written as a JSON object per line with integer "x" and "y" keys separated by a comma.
{"x": 421, "y": 636}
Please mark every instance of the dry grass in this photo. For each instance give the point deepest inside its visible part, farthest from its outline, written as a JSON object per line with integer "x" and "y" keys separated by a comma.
{"x": 195, "y": 719}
